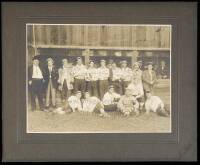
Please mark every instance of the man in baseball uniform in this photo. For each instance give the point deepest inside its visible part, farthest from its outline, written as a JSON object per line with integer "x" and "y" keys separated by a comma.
{"x": 110, "y": 99}
{"x": 74, "y": 102}
{"x": 92, "y": 79}
{"x": 79, "y": 73}
{"x": 136, "y": 85}
{"x": 103, "y": 75}
{"x": 93, "y": 104}
{"x": 128, "y": 104}
{"x": 116, "y": 78}
{"x": 155, "y": 104}
{"x": 126, "y": 75}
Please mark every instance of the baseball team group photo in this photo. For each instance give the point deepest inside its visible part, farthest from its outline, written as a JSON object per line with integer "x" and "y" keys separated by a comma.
{"x": 98, "y": 78}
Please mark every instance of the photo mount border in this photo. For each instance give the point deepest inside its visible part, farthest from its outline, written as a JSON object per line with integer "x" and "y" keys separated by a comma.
{"x": 183, "y": 149}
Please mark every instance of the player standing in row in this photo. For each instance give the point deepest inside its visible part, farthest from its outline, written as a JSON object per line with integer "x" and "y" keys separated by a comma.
{"x": 116, "y": 78}
{"x": 126, "y": 75}
{"x": 92, "y": 79}
{"x": 79, "y": 72}
{"x": 103, "y": 74}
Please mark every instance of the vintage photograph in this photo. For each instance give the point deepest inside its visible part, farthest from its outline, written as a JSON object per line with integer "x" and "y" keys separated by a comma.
{"x": 98, "y": 78}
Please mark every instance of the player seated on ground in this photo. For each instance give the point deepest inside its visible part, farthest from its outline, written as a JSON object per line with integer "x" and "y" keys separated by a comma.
{"x": 155, "y": 104}
{"x": 72, "y": 104}
{"x": 128, "y": 104}
{"x": 110, "y": 99}
{"x": 138, "y": 93}
{"x": 136, "y": 85}
{"x": 93, "y": 104}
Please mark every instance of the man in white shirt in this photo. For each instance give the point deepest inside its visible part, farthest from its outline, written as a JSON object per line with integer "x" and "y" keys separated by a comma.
{"x": 92, "y": 79}
{"x": 79, "y": 73}
{"x": 116, "y": 78}
{"x": 65, "y": 80}
{"x": 128, "y": 103}
{"x": 35, "y": 81}
{"x": 155, "y": 104}
{"x": 110, "y": 99}
{"x": 126, "y": 75}
{"x": 103, "y": 75}
{"x": 74, "y": 102}
{"x": 93, "y": 104}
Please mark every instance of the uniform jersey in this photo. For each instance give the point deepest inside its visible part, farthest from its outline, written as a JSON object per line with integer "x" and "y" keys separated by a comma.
{"x": 136, "y": 89}
{"x": 75, "y": 103}
{"x": 90, "y": 103}
{"x": 117, "y": 74}
{"x": 79, "y": 71}
{"x": 153, "y": 103}
{"x": 92, "y": 74}
{"x": 128, "y": 102}
{"x": 109, "y": 98}
{"x": 103, "y": 73}
{"x": 126, "y": 74}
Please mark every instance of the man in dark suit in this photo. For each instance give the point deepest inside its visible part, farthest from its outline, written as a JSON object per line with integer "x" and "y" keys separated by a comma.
{"x": 35, "y": 81}
{"x": 149, "y": 78}
{"x": 51, "y": 78}
{"x": 163, "y": 71}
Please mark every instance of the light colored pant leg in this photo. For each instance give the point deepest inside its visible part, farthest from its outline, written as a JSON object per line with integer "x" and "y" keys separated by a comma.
{"x": 48, "y": 94}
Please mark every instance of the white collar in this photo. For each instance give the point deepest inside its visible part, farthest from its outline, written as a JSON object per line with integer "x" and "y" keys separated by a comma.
{"x": 35, "y": 65}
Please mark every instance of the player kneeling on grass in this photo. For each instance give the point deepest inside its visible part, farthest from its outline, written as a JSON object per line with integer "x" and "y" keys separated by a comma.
{"x": 89, "y": 104}
{"x": 72, "y": 104}
{"x": 110, "y": 99}
{"x": 155, "y": 104}
{"x": 128, "y": 104}
{"x": 138, "y": 93}
{"x": 93, "y": 104}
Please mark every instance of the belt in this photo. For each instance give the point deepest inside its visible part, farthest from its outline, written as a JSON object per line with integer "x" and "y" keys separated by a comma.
{"x": 37, "y": 78}
{"x": 92, "y": 80}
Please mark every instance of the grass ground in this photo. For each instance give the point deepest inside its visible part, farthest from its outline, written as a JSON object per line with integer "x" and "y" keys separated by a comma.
{"x": 39, "y": 121}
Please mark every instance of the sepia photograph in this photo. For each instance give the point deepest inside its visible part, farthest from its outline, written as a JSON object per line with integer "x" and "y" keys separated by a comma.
{"x": 98, "y": 78}
{"x": 99, "y": 82}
